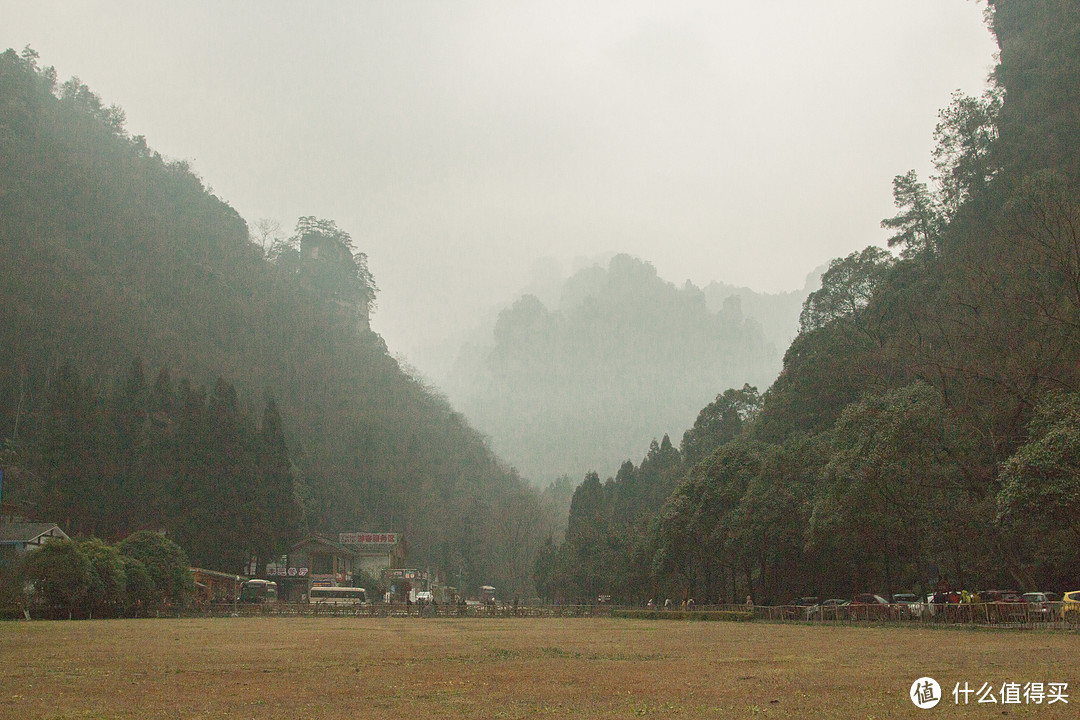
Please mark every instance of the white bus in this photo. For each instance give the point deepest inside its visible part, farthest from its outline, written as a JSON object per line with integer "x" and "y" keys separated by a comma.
{"x": 258, "y": 591}
{"x": 337, "y": 596}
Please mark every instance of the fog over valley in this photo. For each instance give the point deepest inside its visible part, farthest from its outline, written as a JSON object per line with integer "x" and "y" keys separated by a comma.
{"x": 572, "y": 304}
{"x": 461, "y": 143}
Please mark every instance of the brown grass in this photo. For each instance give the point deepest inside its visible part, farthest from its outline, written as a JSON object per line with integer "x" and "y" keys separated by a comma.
{"x": 509, "y": 668}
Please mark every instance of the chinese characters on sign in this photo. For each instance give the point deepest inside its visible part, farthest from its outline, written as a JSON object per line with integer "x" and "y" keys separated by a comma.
{"x": 289, "y": 571}
{"x": 406, "y": 574}
{"x": 368, "y": 538}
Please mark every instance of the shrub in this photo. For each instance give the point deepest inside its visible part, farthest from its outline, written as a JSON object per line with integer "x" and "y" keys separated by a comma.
{"x": 108, "y": 580}
{"x": 165, "y": 563}
{"x": 138, "y": 587}
{"x": 12, "y": 597}
{"x": 61, "y": 577}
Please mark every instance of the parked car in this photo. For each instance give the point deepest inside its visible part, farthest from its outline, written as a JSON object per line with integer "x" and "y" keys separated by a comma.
{"x": 907, "y": 605}
{"x": 868, "y": 606}
{"x": 1004, "y": 605}
{"x": 1041, "y": 605}
{"x": 1070, "y": 606}
{"x": 945, "y": 598}
{"x": 1000, "y": 596}
{"x": 826, "y": 609}
{"x": 806, "y": 603}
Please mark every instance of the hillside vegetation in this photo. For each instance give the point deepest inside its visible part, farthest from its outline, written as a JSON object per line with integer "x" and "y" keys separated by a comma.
{"x": 111, "y": 254}
{"x": 923, "y": 429}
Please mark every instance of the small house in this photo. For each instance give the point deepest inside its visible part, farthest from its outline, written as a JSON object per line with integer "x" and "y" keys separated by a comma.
{"x": 20, "y": 537}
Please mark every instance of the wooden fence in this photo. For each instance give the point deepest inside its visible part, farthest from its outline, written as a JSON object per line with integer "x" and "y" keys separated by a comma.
{"x": 1005, "y": 615}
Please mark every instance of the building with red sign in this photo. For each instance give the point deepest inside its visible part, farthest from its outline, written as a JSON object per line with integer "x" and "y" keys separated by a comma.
{"x": 322, "y": 561}
{"x": 375, "y": 552}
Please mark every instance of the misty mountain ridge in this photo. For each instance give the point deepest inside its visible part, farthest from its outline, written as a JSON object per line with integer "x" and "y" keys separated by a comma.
{"x": 778, "y": 313}
{"x": 621, "y": 357}
{"x": 923, "y": 430}
{"x": 110, "y": 253}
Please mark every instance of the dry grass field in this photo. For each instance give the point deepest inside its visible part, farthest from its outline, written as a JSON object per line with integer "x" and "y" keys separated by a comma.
{"x": 511, "y": 668}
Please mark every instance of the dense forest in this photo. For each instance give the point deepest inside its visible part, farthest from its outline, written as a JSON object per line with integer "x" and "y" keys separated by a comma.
{"x": 165, "y": 456}
{"x": 580, "y": 385}
{"x": 117, "y": 265}
{"x": 924, "y": 426}
{"x": 922, "y": 429}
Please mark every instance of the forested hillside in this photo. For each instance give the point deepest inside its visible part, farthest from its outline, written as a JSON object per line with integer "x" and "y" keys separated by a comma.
{"x": 924, "y": 426}
{"x": 110, "y": 252}
{"x": 624, "y": 356}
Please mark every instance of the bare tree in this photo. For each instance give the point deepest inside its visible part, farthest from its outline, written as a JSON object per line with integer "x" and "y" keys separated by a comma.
{"x": 267, "y": 234}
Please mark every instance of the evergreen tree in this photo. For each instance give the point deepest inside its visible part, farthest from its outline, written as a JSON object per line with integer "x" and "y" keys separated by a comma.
{"x": 918, "y": 224}
{"x": 274, "y": 508}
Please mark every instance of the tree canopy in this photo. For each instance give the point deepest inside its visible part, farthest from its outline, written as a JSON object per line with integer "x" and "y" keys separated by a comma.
{"x": 923, "y": 427}
{"x": 111, "y": 252}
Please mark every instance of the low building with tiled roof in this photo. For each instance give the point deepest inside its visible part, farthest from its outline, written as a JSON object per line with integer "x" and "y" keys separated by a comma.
{"x": 20, "y": 537}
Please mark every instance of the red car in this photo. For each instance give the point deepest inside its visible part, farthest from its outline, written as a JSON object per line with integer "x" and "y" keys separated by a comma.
{"x": 868, "y": 606}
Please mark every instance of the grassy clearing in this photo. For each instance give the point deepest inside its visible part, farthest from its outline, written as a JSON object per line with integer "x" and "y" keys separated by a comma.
{"x": 510, "y": 668}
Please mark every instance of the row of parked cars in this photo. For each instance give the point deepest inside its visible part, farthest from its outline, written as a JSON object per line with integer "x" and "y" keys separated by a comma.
{"x": 994, "y": 604}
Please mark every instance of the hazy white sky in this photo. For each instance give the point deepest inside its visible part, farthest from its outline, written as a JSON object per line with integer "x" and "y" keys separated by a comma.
{"x": 459, "y": 142}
